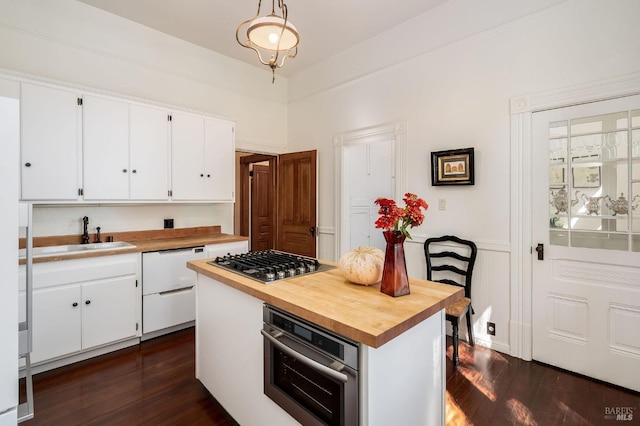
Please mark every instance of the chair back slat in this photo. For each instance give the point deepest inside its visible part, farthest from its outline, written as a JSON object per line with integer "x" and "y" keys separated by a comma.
{"x": 450, "y": 282}
{"x": 450, "y": 254}
{"x": 448, "y": 268}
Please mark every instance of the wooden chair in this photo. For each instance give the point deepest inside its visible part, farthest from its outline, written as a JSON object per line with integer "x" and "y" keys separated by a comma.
{"x": 452, "y": 259}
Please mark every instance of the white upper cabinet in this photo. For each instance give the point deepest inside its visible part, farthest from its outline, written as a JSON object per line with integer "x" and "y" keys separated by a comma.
{"x": 148, "y": 153}
{"x": 50, "y": 143}
{"x": 219, "y": 159}
{"x": 93, "y": 147}
{"x": 202, "y": 158}
{"x": 125, "y": 151}
{"x": 105, "y": 149}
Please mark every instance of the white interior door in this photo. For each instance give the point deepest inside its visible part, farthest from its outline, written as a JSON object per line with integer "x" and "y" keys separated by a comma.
{"x": 369, "y": 174}
{"x": 586, "y": 290}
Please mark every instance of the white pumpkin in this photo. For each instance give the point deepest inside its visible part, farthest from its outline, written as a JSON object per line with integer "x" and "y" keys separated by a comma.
{"x": 362, "y": 265}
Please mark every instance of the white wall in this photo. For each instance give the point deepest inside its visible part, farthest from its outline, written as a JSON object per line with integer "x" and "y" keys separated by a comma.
{"x": 457, "y": 96}
{"x": 69, "y": 42}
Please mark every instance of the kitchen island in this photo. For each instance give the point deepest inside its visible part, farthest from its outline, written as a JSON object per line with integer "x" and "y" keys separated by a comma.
{"x": 401, "y": 358}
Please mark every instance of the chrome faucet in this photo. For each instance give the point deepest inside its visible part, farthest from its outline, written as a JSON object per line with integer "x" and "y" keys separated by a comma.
{"x": 85, "y": 234}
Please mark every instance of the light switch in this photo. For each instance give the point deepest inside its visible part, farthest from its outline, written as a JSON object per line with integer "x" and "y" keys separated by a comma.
{"x": 442, "y": 204}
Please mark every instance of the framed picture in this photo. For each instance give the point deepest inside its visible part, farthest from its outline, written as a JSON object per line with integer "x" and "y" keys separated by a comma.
{"x": 556, "y": 175}
{"x": 586, "y": 176}
{"x": 454, "y": 167}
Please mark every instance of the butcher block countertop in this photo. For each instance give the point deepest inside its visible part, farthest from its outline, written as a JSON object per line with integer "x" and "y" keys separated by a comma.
{"x": 360, "y": 313}
{"x": 143, "y": 241}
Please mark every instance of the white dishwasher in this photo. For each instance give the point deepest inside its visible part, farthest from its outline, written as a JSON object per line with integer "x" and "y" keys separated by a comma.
{"x": 168, "y": 289}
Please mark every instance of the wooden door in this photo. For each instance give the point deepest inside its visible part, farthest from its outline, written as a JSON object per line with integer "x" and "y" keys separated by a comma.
{"x": 262, "y": 233}
{"x": 297, "y": 203}
{"x": 586, "y": 276}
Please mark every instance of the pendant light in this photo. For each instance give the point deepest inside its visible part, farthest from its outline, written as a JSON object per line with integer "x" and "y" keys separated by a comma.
{"x": 271, "y": 36}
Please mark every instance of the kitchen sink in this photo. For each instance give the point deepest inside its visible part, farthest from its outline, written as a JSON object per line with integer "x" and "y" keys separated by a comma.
{"x": 76, "y": 248}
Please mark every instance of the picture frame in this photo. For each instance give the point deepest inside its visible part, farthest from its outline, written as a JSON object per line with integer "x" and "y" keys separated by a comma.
{"x": 587, "y": 176}
{"x": 452, "y": 167}
{"x": 556, "y": 175}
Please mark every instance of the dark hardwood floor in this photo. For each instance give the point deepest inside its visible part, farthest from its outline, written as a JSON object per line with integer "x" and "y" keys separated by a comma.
{"x": 154, "y": 383}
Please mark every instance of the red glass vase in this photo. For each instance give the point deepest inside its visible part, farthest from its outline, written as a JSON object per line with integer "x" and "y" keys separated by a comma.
{"x": 395, "y": 281}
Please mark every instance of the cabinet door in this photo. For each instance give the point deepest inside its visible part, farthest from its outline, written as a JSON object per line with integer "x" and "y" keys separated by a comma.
{"x": 105, "y": 149}
{"x": 108, "y": 310}
{"x": 49, "y": 144}
{"x": 149, "y": 153}
{"x": 187, "y": 162}
{"x": 57, "y": 319}
{"x": 219, "y": 160}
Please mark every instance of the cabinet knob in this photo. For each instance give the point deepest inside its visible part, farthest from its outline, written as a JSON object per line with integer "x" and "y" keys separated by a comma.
{"x": 27, "y": 164}
{"x": 88, "y": 302}
{"x": 134, "y": 171}
{"x": 208, "y": 175}
{"x": 201, "y": 175}
{"x": 75, "y": 304}
{"x": 124, "y": 170}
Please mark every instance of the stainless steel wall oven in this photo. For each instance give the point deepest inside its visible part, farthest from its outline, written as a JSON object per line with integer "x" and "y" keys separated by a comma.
{"x": 310, "y": 372}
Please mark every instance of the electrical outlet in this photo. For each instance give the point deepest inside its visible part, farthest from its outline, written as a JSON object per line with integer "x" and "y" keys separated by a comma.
{"x": 491, "y": 328}
{"x": 168, "y": 223}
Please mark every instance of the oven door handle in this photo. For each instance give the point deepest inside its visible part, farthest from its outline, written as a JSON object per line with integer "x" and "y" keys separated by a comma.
{"x": 307, "y": 361}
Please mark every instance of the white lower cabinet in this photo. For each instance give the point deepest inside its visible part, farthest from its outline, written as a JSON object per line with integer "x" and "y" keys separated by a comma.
{"x": 115, "y": 299}
{"x": 82, "y": 304}
{"x": 57, "y": 322}
{"x": 168, "y": 286}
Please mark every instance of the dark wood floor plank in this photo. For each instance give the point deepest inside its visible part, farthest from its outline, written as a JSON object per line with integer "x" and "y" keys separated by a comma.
{"x": 154, "y": 384}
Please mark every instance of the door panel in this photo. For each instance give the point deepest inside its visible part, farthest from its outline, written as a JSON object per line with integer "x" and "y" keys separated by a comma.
{"x": 149, "y": 148}
{"x": 50, "y": 138}
{"x": 56, "y": 322}
{"x": 262, "y": 234}
{"x": 187, "y": 161}
{"x": 113, "y": 298}
{"x": 105, "y": 149}
{"x": 297, "y": 203}
{"x": 219, "y": 168}
{"x": 586, "y": 289}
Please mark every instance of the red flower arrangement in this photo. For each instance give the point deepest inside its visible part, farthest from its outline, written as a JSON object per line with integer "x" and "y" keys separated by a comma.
{"x": 392, "y": 216}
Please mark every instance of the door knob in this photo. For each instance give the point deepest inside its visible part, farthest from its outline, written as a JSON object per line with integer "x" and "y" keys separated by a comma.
{"x": 312, "y": 230}
{"x": 540, "y": 250}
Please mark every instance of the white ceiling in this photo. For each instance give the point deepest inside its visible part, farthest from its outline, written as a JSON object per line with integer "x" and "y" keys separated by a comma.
{"x": 212, "y": 23}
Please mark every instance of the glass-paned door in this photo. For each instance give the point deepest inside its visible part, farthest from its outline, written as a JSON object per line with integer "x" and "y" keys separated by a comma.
{"x": 586, "y": 228}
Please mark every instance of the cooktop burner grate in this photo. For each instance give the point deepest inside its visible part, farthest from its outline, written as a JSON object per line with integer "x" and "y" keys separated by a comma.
{"x": 270, "y": 265}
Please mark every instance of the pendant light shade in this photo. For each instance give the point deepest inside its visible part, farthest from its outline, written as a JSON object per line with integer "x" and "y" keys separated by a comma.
{"x": 271, "y": 36}
{"x": 266, "y": 32}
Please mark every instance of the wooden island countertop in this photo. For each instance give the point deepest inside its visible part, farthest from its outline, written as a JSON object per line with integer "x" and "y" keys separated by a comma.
{"x": 360, "y": 313}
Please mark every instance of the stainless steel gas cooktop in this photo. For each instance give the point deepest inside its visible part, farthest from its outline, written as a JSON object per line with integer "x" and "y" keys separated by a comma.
{"x": 268, "y": 266}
